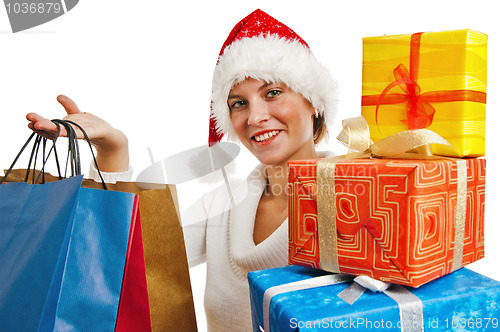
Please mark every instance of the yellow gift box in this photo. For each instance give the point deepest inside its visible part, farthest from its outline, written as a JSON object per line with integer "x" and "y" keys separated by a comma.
{"x": 434, "y": 80}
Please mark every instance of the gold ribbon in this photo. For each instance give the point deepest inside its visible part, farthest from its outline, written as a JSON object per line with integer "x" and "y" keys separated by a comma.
{"x": 356, "y": 136}
{"x": 460, "y": 212}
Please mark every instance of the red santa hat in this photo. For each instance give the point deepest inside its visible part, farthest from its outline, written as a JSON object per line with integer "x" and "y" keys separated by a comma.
{"x": 261, "y": 47}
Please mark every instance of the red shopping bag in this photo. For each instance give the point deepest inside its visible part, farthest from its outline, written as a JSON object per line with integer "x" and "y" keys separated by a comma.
{"x": 133, "y": 312}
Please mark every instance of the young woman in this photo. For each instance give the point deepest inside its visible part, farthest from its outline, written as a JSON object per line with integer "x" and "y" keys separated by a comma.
{"x": 270, "y": 93}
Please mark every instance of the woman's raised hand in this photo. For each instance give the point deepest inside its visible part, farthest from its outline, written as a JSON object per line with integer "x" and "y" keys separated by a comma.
{"x": 111, "y": 144}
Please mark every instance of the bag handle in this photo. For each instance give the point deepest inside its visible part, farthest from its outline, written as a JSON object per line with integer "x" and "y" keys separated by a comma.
{"x": 73, "y": 156}
{"x": 34, "y": 153}
{"x": 87, "y": 139}
{"x": 34, "y": 157}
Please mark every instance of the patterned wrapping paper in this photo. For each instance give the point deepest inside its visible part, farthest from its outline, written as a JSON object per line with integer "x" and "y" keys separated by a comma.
{"x": 461, "y": 301}
{"x": 395, "y": 218}
{"x": 445, "y": 76}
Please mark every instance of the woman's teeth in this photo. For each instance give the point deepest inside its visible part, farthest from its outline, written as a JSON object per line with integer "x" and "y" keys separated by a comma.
{"x": 266, "y": 136}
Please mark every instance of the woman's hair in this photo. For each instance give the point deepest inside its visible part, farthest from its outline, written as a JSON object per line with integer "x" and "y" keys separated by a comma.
{"x": 320, "y": 129}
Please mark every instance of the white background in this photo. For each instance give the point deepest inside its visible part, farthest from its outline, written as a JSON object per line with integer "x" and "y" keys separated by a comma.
{"x": 146, "y": 67}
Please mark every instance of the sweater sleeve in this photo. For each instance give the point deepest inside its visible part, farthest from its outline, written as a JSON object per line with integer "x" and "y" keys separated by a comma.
{"x": 110, "y": 177}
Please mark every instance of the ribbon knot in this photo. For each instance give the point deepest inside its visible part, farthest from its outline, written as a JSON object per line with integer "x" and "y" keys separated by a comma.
{"x": 419, "y": 112}
{"x": 410, "y": 306}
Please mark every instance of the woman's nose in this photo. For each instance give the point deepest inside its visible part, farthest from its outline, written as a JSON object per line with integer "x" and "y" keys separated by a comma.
{"x": 259, "y": 113}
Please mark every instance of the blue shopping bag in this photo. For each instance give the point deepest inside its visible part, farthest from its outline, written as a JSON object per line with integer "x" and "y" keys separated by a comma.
{"x": 62, "y": 255}
{"x": 33, "y": 224}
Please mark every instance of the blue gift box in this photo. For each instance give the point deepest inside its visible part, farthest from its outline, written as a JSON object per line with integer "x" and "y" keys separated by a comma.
{"x": 461, "y": 301}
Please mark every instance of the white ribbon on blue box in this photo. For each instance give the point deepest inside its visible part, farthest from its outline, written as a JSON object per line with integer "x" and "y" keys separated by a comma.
{"x": 463, "y": 300}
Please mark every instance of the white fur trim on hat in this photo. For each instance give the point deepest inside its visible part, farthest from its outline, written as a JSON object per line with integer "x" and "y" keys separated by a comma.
{"x": 272, "y": 59}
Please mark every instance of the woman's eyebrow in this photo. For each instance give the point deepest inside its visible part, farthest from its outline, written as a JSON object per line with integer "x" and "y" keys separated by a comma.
{"x": 233, "y": 97}
{"x": 265, "y": 85}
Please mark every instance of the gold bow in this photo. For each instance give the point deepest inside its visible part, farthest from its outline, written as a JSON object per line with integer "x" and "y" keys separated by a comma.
{"x": 356, "y": 136}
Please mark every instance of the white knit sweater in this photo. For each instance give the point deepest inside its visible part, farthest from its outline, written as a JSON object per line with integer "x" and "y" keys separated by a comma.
{"x": 231, "y": 253}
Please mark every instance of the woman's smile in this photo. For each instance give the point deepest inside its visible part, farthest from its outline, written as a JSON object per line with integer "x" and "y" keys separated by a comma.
{"x": 266, "y": 137}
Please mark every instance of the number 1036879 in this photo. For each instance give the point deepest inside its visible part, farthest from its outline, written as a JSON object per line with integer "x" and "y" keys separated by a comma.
{"x": 32, "y": 7}
{"x": 471, "y": 323}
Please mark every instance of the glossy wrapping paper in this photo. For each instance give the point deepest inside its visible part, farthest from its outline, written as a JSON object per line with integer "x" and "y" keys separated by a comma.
{"x": 434, "y": 80}
{"x": 395, "y": 219}
{"x": 461, "y": 301}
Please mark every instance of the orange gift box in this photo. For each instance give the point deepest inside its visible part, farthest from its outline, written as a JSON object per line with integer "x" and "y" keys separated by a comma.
{"x": 396, "y": 220}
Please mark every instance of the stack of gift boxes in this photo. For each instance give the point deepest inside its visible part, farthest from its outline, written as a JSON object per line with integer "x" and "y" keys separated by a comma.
{"x": 401, "y": 211}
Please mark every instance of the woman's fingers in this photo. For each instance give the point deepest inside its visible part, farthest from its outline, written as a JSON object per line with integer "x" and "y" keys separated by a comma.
{"x": 43, "y": 126}
{"x": 41, "y": 123}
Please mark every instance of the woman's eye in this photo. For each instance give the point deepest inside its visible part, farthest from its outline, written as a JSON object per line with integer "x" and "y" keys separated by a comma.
{"x": 273, "y": 93}
{"x": 237, "y": 104}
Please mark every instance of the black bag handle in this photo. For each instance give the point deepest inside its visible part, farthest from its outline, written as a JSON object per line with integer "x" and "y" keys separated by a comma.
{"x": 73, "y": 156}
{"x": 87, "y": 139}
{"x": 34, "y": 153}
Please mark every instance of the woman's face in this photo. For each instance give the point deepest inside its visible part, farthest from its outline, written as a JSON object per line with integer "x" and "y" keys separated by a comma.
{"x": 272, "y": 121}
